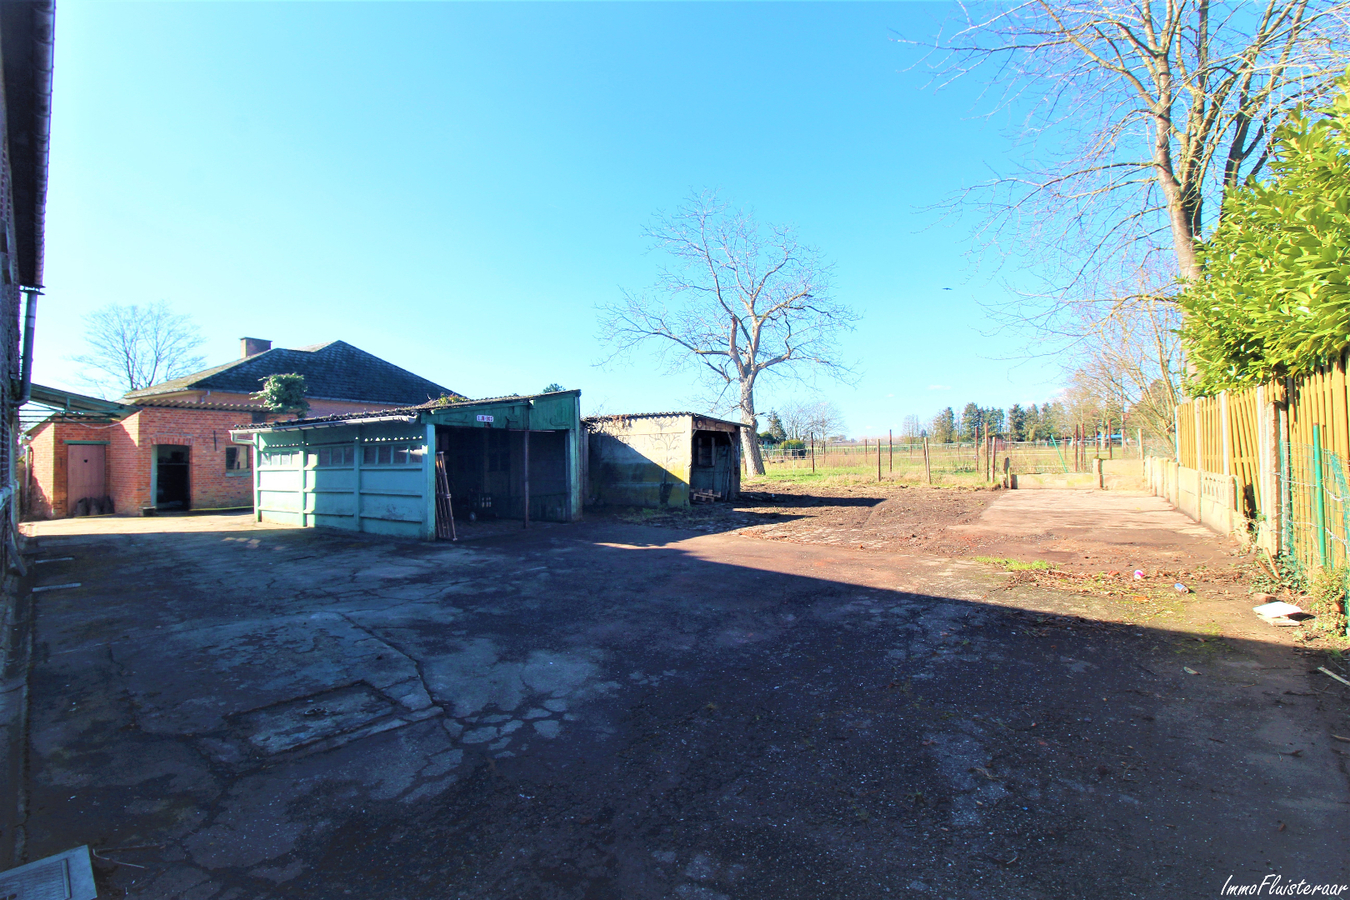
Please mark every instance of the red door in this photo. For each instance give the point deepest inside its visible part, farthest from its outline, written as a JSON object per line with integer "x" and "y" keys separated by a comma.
{"x": 84, "y": 474}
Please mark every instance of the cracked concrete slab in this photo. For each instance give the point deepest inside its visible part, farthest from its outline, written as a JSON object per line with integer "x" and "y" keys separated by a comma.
{"x": 608, "y": 711}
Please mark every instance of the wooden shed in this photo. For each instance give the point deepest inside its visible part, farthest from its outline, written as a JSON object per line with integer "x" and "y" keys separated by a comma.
{"x": 662, "y": 459}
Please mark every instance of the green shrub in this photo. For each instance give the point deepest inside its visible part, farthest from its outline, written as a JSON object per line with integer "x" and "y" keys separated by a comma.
{"x": 1274, "y": 299}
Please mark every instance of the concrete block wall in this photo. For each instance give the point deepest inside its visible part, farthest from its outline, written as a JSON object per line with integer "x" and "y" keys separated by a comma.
{"x": 640, "y": 461}
{"x": 1206, "y": 497}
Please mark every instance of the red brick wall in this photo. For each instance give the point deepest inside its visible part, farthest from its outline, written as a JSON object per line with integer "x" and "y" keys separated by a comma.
{"x": 128, "y": 468}
{"x": 131, "y": 455}
{"x": 47, "y": 499}
{"x": 207, "y": 433}
{"x": 41, "y": 477}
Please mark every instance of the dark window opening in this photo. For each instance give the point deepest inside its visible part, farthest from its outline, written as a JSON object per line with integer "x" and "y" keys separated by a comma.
{"x": 390, "y": 455}
{"x": 484, "y": 469}
{"x": 237, "y": 459}
{"x": 703, "y": 449}
{"x": 343, "y": 455}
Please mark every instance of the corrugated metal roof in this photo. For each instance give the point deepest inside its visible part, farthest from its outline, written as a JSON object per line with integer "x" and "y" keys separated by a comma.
{"x": 662, "y": 415}
{"x": 191, "y": 404}
{"x": 430, "y": 406}
{"x": 69, "y": 401}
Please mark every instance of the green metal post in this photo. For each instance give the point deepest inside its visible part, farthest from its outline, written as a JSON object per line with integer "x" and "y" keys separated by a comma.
{"x": 1320, "y": 501}
{"x": 1062, "y": 461}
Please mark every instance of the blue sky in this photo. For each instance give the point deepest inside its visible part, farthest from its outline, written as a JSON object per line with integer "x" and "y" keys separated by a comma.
{"x": 456, "y": 187}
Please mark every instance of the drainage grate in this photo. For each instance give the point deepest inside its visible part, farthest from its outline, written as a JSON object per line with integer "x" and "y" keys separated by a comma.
{"x": 65, "y": 876}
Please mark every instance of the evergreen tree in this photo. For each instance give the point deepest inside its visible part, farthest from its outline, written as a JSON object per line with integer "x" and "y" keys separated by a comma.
{"x": 971, "y": 421}
{"x": 284, "y": 394}
{"x": 992, "y": 420}
{"x": 1017, "y": 423}
{"x": 944, "y": 427}
{"x": 776, "y": 427}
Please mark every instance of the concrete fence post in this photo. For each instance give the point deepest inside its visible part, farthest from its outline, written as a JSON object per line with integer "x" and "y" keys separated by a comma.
{"x": 1199, "y": 436}
{"x": 1176, "y": 431}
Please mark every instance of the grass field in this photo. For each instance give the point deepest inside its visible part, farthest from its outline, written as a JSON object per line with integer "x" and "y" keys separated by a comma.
{"x": 950, "y": 463}
{"x": 841, "y": 475}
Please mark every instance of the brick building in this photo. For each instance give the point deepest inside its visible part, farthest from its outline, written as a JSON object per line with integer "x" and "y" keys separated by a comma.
{"x": 168, "y": 446}
{"x": 25, "y": 128}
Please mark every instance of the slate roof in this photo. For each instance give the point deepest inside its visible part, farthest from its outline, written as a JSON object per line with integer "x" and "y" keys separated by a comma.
{"x": 333, "y": 371}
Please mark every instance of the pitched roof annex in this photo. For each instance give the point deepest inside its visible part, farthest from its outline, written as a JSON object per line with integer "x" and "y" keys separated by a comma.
{"x": 333, "y": 371}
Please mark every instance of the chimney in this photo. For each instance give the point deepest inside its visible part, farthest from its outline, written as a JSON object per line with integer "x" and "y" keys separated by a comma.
{"x": 253, "y": 346}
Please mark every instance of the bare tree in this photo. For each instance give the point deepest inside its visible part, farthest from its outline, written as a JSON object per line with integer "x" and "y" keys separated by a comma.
{"x": 827, "y": 420}
{"x": 1083, "y": 406}
{"x": 1136, "y": 116}
{"x": 132, "y": 347}
{"x": 802, "y": 419}
{"x": 738, "y": 303}
{"x": 796, "y": 419}
{"x": 1134, "y": 354}
{"x": 910, "y": 427}
{"x": 1141, "y": 113}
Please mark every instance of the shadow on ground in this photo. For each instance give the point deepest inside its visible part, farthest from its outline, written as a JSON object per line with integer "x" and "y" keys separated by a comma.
{"x": 612, "y": 710}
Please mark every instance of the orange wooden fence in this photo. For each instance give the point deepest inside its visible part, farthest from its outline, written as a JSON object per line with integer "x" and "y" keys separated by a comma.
{"x": 1263, "y": 438}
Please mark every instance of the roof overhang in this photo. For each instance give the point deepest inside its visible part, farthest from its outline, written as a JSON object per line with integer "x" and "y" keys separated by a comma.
{"x": 26, "y": 47}
{"x": 47, "y": 404}
{"x": 719, "y": 424}
{"x": 513, "y": 412}
{"x": 244, "y": 434}
{"x": 59, "y": 400}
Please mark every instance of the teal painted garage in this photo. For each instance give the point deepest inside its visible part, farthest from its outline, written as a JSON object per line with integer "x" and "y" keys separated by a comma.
{"x": 511, "y": 457}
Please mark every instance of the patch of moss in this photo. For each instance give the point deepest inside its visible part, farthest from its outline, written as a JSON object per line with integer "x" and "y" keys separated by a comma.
{"x": 1015, "y": 565}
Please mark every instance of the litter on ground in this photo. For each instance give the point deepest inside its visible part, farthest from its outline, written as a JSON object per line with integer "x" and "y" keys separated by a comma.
{"x": 1279, "y": 613}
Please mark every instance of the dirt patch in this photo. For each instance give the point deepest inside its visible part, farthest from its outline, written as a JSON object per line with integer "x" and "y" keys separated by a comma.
{"x": 1075, "y": 531}
{"x": 1085, "y": 543}
{"x": 884, "y": 516}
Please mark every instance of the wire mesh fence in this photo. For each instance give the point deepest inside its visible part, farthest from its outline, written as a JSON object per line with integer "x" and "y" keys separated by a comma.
{"x": 1316, "y": 497}
{"x": 904, "y": 459}
{"x": 1314, "y": 488}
